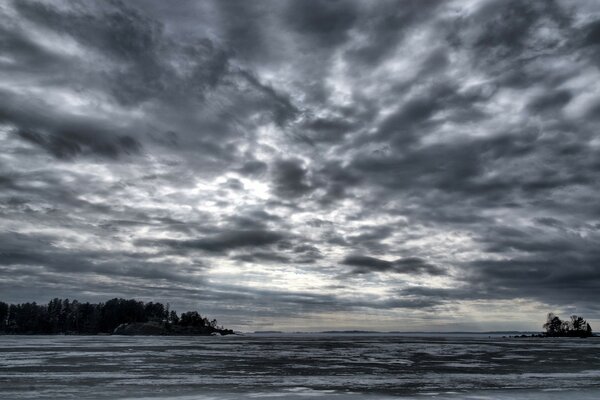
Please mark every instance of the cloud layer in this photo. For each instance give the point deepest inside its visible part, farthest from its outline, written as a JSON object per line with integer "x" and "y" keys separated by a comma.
{"x": 305, "y": 164}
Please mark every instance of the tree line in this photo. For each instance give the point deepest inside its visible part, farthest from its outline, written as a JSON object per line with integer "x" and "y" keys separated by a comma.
{"x": 62, "y": 316}
{"x": 575, "y": 327}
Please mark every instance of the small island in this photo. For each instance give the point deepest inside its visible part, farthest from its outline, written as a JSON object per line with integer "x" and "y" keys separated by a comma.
{"x": 575, "y": 327}
{"x": 554, "y": 327}
{"x": 115, "y": 317}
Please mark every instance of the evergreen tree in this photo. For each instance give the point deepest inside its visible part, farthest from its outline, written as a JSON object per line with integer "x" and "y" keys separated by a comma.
{"x": 3, "y": 315}
{"x": 73, "y": 317}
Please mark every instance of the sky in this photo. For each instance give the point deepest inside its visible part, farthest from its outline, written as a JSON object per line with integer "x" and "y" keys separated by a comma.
{"x": 305, "y": 164}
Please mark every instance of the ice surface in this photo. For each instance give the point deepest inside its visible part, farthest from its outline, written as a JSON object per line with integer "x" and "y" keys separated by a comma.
{"x": 298, "y": 367}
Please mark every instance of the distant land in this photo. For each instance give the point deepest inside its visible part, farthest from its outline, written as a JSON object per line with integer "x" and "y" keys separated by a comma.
{"x": 368, "y": 332}
{"x": 576, "y": 326}
{"x": 132, "y": 317}
{"x": 115, "y": 317}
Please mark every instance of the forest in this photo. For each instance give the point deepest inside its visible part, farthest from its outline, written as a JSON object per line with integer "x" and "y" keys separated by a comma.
{"x": 575, "y": 327}
{"x": 62, "y": 316}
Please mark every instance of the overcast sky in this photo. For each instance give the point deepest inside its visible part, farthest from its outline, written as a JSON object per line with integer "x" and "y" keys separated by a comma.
{"x": 303, "y": 164}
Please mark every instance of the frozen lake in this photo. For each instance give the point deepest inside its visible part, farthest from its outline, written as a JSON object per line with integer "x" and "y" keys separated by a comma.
{"x": 298, "y": 366}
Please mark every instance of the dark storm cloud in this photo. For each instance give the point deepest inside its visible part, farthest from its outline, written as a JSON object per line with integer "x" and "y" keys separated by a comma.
{"x": 222, "y": 242}
{"x": 510, "y": 34}
{"x": 279, "y": 105}
{"x": 137, "y": 66}
{"x": 552, "y": 264}
{"x": 550, "y": 101}
{"x": 326, "y": 28}
{"x": 409, "y": 265}
{"x": 241, "y": 27}
{"x": 385, "y": 27}
{"x": 402, "y": 126}
{"x": 41, "y": 251}
{"x": 555, "y": 268}
{"x": 254, "y": 219}
{"x": 290, "y": 178}
{"x": 262, "y": 257}
{"x": 127, "y": 36}
{"x": 326, "y": 129}
{"x": 69, "y": 143}
{"x": 592, "y": 33}
{"x": 253, "y": 168}
{"x": 63, "y": 136}
{"x": 319, "y": 141}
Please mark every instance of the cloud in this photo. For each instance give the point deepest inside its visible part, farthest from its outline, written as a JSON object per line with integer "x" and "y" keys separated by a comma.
{"x": 409, "y": 265}
{"x": 303, "y": 161}
{"x": 222, "y": 242}
{"x": 290, "y": 178}
{"x": 67, "y": 144}
{"x": 328, "y": 26}
{"x": 41, "y": 253}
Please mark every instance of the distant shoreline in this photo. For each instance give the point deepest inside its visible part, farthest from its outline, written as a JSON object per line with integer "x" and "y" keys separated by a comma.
{"x": 433, "y": 335}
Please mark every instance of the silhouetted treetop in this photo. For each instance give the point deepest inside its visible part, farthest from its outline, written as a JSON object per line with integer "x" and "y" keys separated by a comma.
{"x": 115, "y": 316}
{"x": 575, "y": 327}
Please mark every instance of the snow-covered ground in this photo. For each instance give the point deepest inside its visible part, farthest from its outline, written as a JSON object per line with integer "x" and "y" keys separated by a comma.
{"x": 283, "y": 366}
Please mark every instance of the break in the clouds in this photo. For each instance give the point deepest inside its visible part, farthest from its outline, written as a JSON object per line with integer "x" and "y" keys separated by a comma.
{"x": 304, "y": 164}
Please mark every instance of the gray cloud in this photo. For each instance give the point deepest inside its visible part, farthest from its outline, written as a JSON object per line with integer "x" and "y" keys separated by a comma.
{"x": 223, "y": 241}
{"x": 303, "y": 159}
{"x": 409, "y": 265}
{"x": 290, "y": 178}
{"x": 329, "y": 26}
